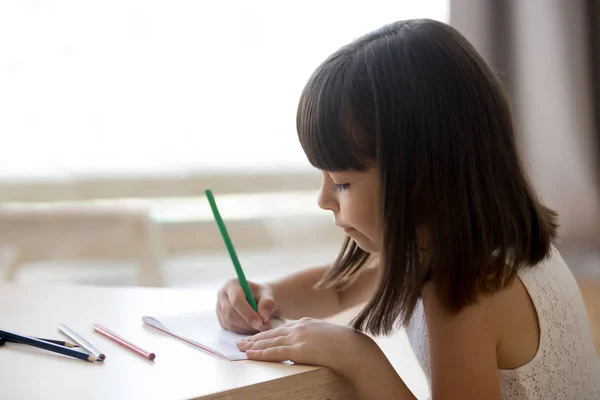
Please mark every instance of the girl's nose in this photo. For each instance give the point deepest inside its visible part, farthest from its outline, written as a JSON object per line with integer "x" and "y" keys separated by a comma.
{"x": 326, "y": 198}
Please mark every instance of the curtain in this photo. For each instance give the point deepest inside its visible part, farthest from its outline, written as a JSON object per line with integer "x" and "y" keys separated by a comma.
{"x": 546, "y": 53}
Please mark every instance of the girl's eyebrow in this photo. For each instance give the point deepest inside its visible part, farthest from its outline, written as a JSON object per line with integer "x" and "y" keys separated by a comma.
{"x": 340, "y": 173}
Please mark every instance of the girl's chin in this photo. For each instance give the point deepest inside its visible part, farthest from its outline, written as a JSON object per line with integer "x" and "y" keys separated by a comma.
{"x": 362, "y": 241}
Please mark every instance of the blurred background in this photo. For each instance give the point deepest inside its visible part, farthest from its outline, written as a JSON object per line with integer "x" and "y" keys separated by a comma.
{"x": 115, "y": 116}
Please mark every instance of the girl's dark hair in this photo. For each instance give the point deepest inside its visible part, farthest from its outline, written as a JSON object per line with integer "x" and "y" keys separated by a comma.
{"x": 416, "y": 100}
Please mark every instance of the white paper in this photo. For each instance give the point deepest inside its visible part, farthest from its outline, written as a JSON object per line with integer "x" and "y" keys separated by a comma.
{"x": 203, "y": 330}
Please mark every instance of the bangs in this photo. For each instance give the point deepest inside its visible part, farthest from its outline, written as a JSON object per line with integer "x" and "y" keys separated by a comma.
{"x": 327, "y": 123}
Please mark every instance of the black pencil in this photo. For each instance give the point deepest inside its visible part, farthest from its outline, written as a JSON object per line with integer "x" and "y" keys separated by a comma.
{"x": 58, "y": 342}
{"x": 47, "y": 346}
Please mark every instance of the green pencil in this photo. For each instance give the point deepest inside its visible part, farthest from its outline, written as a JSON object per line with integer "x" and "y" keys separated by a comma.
{"x": 231, "y": 250}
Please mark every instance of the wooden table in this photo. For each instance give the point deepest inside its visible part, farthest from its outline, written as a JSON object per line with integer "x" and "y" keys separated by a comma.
{"x": 180, "y": 371}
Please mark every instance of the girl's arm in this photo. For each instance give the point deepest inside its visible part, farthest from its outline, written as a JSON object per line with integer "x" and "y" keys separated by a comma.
{"x": 295, "y": 296}
{"x": 372, "y": 375}
{"x": 463, "y": 349}
{"x": 462, "y": 353}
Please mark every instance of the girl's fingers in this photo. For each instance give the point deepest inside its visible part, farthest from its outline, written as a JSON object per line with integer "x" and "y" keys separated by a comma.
{"x": 241, "y": 330}
{"x": 230, "y": 319}
{"x": 268, "y": 334}
{"x": 288, "y": 324}
{"x": 264, "y": 343}
{"x": 240, "y": 304}
{"x": 255, "y": 288}
{"x": 280, "y": 353}
{"x": 239, "y": 325}
{"x": 266, "y": 308}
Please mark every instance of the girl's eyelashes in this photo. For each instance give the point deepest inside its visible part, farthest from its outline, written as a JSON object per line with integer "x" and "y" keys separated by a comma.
{"x": 340, "y": 187}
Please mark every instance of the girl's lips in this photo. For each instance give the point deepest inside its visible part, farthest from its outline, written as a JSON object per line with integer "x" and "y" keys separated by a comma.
{"x": 345, "y": 227}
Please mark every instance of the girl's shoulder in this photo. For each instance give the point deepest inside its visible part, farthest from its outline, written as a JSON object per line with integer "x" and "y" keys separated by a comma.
{"x": 494, "y": 307}
{"x": 508, "y": 318}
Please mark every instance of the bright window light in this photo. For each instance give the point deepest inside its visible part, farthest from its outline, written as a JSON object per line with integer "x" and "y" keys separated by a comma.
{"x": 156, "y": 87}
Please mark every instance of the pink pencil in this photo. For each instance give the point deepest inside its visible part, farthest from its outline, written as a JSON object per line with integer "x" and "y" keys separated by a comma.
{"x": 118, "y": 339}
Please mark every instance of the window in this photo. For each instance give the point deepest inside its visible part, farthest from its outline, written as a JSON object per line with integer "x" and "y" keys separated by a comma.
{"x": 126, "y": 87}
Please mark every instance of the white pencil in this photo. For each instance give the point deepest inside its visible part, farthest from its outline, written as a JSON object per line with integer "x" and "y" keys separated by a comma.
{"x": 81, "y": 341}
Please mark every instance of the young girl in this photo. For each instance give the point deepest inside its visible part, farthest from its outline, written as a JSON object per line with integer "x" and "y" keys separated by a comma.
{"x": 445, "y": 235}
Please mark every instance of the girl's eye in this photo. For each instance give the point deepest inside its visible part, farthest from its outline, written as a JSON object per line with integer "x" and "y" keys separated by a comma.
{"x": 341, "y": 187}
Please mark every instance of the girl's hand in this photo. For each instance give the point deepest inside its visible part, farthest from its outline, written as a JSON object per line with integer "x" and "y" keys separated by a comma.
{"x": 235, "y": 313}
{"x": 310, "y": 341}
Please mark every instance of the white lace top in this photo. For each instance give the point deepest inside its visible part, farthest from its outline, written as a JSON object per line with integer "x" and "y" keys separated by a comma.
{"x": 566, "y": 365}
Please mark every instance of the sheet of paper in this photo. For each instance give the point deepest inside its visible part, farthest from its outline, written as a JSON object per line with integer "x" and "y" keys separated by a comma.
{"x": 203, "y": 330}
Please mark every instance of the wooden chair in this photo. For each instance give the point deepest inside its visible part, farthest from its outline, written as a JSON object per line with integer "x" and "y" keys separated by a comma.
{"x": 72, "y": 232}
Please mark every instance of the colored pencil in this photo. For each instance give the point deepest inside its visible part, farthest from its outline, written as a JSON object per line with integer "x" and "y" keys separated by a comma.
{"x": 231, "y": 250}
{"x": 65, "y": 330}
{"x": 58, "y": 342}
{"x": 123, "y": 342}
{"x": 48, "y": 346}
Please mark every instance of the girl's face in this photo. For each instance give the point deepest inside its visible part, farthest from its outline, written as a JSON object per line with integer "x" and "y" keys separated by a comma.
{"x": 353, "y": 197}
